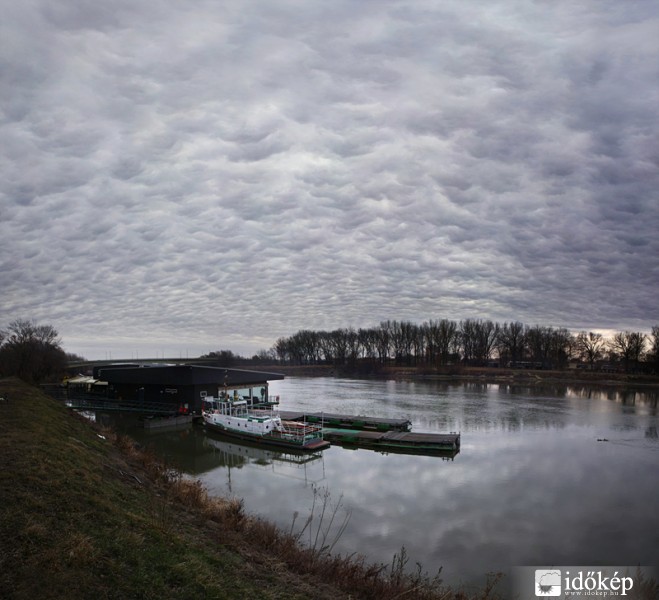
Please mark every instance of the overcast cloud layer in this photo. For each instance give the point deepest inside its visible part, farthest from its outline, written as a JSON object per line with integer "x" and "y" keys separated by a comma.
{"x": 179, "y": 177}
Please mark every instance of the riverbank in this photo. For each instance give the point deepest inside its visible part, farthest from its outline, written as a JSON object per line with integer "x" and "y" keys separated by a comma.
{"x": 85, "y": 513}
{"x": 459, "y": 373}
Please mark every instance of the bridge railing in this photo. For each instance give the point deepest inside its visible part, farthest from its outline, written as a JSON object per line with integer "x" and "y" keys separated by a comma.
{"x": 115, "y": 405}
{"x": 101, "y": 402}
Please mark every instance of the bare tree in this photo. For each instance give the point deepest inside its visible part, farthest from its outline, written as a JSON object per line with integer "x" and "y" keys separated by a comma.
{"x": 31, "y": 352}
{"x": 368, "y": 342}
{"x": 265, "y": 356}
{"x": 383, "y": 343}
{"x": 654, "y": 351}
{"x": 223, "y": 358}
{"x": 397, "y": 339}
{"x": 562, "y": 347}
{"x": 468, "y": 342}
{"x": 629, "y": 345}
{"x": 510, "y": 342}
{"x": 487, "y": 334}
{"x": 447, "y": 340}
{"x": 590, "y": 346}
{"x": 340, "y": 345}
{"x": 47, "y": 334}
{"x": 353, "y": 344}
{"x": 409, "y": 334}
{"x": 538, "y": 343}
{"x": 478, "y": 338}
{"x": 282, "y": 350}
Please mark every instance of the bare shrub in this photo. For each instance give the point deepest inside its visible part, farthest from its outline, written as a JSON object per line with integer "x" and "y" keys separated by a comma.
{"x": 321, "y": 526}
{"x": 305, "y": 548}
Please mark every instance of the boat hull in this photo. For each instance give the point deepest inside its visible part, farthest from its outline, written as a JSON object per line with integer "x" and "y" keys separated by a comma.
{"x": 268, "y": 439}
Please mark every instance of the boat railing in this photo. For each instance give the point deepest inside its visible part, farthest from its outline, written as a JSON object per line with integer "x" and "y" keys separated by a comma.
{"x": 226, "y": 407}
{"x": 301, "y": 431}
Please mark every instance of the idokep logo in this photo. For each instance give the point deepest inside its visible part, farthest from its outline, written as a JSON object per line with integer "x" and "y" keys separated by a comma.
{"x": 572, "y": 583}
{"x": 547, "y": 582}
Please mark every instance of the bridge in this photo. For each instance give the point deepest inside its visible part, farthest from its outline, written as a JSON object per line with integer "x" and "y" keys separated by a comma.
{"x": 111, "y": 405}
{"x": 90, "y": 364}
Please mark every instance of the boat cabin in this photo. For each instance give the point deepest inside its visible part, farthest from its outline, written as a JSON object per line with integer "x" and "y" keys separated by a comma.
{"x": 226, "y": 406}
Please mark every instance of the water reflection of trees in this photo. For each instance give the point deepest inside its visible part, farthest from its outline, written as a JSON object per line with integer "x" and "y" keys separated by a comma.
{"x": 546, "y": 406}
{"x": 534, "y": 391}
{"x": 624, "y": 396}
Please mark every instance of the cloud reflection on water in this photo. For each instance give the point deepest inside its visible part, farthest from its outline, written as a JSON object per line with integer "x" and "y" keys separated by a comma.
{"x": 532, "y": 484}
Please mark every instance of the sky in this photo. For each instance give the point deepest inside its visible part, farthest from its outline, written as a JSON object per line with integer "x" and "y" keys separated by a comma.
{"x": 183, "y": 177}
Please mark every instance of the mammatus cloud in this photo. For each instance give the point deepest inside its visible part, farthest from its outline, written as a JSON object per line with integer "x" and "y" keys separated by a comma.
{"x": 187, "y": 178}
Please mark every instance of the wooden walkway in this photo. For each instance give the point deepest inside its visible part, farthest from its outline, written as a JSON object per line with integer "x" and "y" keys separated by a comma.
{"x": 396, "y": 441}
{"x": 375, "y": 433}
{"x": 347, "y": 421}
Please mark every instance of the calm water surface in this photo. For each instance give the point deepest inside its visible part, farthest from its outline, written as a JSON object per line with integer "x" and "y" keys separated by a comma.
{"x": 532, "y": 485}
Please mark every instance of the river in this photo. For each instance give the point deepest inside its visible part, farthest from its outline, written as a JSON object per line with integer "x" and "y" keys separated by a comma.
{"x": 546, "y": 475}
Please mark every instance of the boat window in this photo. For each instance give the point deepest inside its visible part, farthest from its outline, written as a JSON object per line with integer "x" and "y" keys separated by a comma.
{"x": 208, "y": 404}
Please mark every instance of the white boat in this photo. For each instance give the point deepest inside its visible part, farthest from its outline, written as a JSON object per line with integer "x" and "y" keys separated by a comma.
{"x": 237, "y": 419}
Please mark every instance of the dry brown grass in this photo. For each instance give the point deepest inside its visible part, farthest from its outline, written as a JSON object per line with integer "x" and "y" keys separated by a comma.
{"x": 89, "y": 513}
{"x": 270, "y": 546}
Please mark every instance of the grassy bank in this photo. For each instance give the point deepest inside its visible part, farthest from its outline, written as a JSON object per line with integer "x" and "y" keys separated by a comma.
{"x": 86, "y": 514}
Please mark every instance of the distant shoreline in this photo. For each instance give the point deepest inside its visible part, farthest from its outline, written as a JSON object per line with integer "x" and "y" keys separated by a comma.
{"x": 460, "y": 374}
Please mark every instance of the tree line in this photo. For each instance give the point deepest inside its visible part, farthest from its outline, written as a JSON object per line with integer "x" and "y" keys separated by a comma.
{"x": 474, "y": 342}
{"x": 32, "y": 352}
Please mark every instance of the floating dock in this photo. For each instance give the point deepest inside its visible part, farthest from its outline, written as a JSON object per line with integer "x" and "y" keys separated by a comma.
{"x": 394, "y": 441}
{"x": 375, "y": 433}
{"x": 338, "y": 421}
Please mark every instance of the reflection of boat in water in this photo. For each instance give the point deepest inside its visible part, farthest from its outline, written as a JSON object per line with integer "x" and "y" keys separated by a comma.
{"x": 238, "y": 454}
{"x": 243, "y": 452}
{"x": 237, "y": 419}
